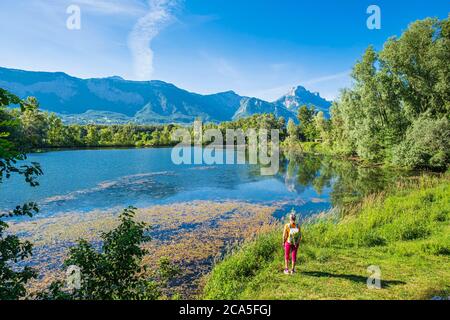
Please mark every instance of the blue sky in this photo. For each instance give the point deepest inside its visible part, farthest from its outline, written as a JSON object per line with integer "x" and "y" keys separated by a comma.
{"x": 256, "y": 48}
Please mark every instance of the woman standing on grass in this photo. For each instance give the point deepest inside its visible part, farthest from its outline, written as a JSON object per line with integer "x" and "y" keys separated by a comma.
{"x": 291, "y": 239}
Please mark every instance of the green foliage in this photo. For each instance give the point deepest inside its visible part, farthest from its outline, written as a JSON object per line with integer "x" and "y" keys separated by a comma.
{"x": 393, "y": 90}
{"x": 12, "y": 250}
{"x": 426, "y": 144}
{"x": 308, "y": 135}
{"x": 292, "y": 130}
{"x": 307, "y": 128}
{"x": 322, "y": 126}
{"x": 422, "y": 213}
{"x": 34, "y": 124}
{"x": 292, "y": 138}
{"x": 10, "y": 152}
{"x": 257, "y": 122}
{"x": 116, "y": 271}
{"x": 380, "y": 222}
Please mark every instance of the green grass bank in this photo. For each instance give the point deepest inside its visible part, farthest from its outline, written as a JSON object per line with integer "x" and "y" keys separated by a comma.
{"x": 404, "y": 231}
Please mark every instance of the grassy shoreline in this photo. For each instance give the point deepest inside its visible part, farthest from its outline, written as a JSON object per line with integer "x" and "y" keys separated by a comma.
{"x": 405, "y": 232}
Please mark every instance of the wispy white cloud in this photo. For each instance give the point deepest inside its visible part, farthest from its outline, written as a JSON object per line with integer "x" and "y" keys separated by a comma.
{"x": 278, "y": 67}
{"x": 196, "y": 20}
{"x": 159, "y": 14}
{"x": 222, "y": 67}
{"x": 327, "y": 78}
{"x": 270, "y": 94}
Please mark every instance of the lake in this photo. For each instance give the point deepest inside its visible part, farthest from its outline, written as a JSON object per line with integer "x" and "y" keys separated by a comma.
{"x": 85, "y": 180}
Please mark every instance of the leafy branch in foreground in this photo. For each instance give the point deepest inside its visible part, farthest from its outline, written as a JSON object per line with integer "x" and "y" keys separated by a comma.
{"x": 12, "y": 250}
{"x": 10, "y": 152}
{"x": 116, "y": 270}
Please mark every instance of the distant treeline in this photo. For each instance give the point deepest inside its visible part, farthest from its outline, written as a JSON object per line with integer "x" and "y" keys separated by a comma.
{"x": 32, "y": 128}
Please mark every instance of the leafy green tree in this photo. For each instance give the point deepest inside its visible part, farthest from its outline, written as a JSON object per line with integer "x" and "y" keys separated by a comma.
{"x": 124, "y": 135}
{"x": 92, "y": 138}
{"x": 34, "y": 124}
{"x": 114, "y": 273}
{"x": 165, "y": 138}
{"x": 12, "y": 250}
{"x": 282, "y": 127}
{"x": 75, "y": 135}
{"x": 155, "y": 138}
{"x": 307, "y": 128}
{"x": 322, "y": 126}
{"x": 393, "y": 88}
{"x": 57, "y": 132}
{"x": 305, "y": 114}
{"x": 106, "y": 136}
{"x": 292, "y": 130}
{"x": 418, "y": 65}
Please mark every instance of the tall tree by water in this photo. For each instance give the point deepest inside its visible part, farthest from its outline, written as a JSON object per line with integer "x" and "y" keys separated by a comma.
{"x": 401, "y": 87}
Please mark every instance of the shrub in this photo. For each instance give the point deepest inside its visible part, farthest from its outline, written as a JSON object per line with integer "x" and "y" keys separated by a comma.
{"x": 412, "y": 231}
{"x": 372, "y": 239}
{"x": 426, "y": 145}
{"x": 440, "y": 215}
{"x": 436, "y": 248}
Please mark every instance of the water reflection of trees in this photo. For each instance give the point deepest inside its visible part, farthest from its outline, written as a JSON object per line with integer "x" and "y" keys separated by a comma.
{"x": 348, "y": 180}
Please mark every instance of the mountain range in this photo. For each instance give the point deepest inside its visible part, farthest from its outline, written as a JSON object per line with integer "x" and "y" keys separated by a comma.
{"x": 116, "y": 100}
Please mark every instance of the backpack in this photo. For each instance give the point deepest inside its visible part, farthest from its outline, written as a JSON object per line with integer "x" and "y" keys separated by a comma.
{"x": 294, "y": 235}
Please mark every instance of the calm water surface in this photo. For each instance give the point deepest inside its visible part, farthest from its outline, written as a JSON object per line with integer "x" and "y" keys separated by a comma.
{"x": 84, "y": 180}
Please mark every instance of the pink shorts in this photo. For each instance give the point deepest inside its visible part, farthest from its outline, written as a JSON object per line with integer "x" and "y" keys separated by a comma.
{"x": 288, "y": 248}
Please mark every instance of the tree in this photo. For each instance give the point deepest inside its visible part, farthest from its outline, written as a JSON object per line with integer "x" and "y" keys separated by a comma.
{"x": 322, "y": 126}
{"x": 292, "y": 131}
{"x": 155, "y": 138}
{"x": 34, "y": 124}
{"x": 418, "y": 65}
{"x": 409, "y": 78}
{"x": 12, "y": 250}
{"x": 92, "y": 138}
{"x": 106, "y": 136}
{"x": 56, "y": 134}
{"x": 307, "y": 129}
{"x": 282, "y": 127}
